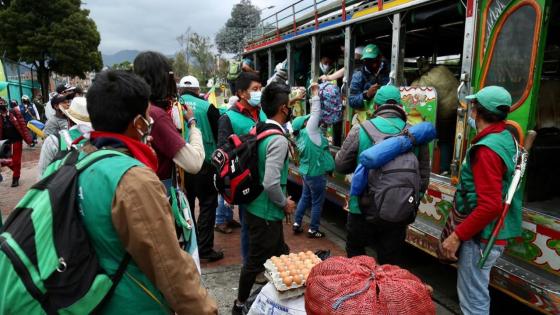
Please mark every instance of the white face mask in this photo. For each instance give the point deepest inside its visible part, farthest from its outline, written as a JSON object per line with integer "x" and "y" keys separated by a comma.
{"x": 255, "y": 99}
{"x": 472, "y": 123}
{"x": 324, "y": 68}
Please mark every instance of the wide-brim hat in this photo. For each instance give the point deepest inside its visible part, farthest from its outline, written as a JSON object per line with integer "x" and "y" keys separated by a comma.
{"x": 77, "y": 112}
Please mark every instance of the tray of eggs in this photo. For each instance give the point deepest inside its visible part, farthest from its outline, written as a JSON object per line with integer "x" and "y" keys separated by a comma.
{"x": 290, "y": 271}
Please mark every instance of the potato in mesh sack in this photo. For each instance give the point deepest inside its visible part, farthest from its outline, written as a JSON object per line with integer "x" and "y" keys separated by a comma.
{"x": 358, "y": 285}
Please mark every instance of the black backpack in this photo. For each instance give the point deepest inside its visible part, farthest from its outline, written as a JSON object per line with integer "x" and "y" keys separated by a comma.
{"x": 237, "y": 174}
{"x": 392, "y": 195}
{"x": 47, "y": 263}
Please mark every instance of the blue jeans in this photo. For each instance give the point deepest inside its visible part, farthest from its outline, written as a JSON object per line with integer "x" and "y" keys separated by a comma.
{"x": 313, "y": 196}
{"x": 472, "y": 282}
{"x": 224, "y": 214}
{"x": 244, "y": 233}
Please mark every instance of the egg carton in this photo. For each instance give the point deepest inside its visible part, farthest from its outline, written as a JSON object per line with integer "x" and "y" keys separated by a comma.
{"x": 283, "y": 291}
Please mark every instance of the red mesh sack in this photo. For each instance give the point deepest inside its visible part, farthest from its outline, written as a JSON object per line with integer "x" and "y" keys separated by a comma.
{"x": 357, "y": 285}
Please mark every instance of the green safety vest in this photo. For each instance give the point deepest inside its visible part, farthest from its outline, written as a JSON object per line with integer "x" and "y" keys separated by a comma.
{"x": 200, "y": 110}
{"x": 465, "y": 197}
{"x": 74, "y": 134}
{"x": 242, "y": 124}
{"x": 135, "y": 293}
{"x": 263, "y": 207}
{"x": 392, "y": 126}
{"x": 315, "y": 160}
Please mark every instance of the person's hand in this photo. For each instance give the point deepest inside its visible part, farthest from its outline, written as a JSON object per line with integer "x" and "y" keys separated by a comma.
{"x": 314, "y": 89}
{"x": 450, "y": 246}
{"x": 324, "y": 77}
{"x": 188, "y": 114}
{"x": 299, "y": 96}
{"x": 289, "y": 209}
{"x": 372, "y": 90}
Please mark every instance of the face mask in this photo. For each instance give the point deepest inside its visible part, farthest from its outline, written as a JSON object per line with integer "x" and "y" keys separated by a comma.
{"x": 289, "y": 115}
{"x": 324, "y": 68}
{"x": 255, "y": 99}
{"x": 472, "y": 123}
{"x": 145, "y": 134}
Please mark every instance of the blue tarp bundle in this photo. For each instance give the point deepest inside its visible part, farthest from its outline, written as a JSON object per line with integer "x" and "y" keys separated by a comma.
{"x": 385, "y": 151}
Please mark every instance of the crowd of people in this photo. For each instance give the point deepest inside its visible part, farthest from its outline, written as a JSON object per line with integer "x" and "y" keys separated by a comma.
{"x": 168, "y": 134}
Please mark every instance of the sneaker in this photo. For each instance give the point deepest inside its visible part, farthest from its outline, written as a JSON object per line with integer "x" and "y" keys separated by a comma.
{"x": 297, "y": 228}
{"x": 234, "y": 224}
{"x": 223, "y": 228}
{"x": 315, "y": 234}
{"x": 237, "y": 309}
{"x": 211, "y": 256}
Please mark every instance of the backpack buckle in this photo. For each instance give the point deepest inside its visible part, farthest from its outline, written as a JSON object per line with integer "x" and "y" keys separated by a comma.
{"x": 61, "y": 265}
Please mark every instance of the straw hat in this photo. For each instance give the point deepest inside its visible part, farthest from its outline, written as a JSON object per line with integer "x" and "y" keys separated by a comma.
{"x": 77, "y": 112}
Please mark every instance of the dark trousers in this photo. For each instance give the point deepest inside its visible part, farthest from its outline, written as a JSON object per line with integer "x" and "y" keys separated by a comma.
{"x": 201, "y": 186}
{"x": 387, "y": 239}
{"x": 266, "y": 239}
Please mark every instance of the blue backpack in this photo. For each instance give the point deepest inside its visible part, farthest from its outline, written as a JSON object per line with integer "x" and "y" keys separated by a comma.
{"x": 331, "y": 103}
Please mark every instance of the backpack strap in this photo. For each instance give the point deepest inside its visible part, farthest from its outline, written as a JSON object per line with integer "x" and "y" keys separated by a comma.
{"x": 116, "y": 278}
{"x": 372, "y": 132}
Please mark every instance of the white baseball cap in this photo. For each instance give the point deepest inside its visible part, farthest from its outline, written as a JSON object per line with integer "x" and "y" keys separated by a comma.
{"x": 77, "y": 112}
{"x": 188, "y": 82}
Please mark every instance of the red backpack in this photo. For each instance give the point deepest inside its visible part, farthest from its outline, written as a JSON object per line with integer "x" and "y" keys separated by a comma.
{"x": 237, "y": 173}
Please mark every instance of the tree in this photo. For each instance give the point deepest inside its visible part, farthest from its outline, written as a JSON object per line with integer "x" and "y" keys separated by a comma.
{"x": 53, "y": 35}
{"x": 180, "y": 67}
{"x": 125, "y": 65}
{"x": 200, "y": 48}
{"x": 184, "y": 41}
{"x": 244, "y": 17}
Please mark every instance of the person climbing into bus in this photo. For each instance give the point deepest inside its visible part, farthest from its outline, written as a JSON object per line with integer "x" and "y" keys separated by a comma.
{"x": 339, "y": 74}
{"x": 125, "y": 209}
{"x": 201, "y": 185}
{"x": 387, "y": 239}
{"x": 79, "y": 123}
{"x": 315, "y": 161}
{"x": 13, "y": 129}
{"x": 265, "y": 214}
{"x": 239, "y": 120}
{"x": 485, "y": 177}
{"x": 367, "y": 80}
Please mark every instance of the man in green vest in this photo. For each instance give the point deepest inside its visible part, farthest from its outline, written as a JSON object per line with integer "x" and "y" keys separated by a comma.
{"x": 125, "y": 209}
{"x": 239, "y": 120}
{"x": 201, "y": 185}
{"x": 387, "y": 239}
{"x": 265, "y": 214}
{"x": 486, "y": 174}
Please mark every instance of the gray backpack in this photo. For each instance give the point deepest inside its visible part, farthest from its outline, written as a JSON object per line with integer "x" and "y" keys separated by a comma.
{"x": 392, "y": 195}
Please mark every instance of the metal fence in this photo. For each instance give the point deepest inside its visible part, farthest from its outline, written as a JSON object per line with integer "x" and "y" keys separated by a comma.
{"x": 19, "y": 79}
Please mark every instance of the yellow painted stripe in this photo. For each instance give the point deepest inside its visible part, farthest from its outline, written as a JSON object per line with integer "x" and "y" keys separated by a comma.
{"x": 375, "y": 9}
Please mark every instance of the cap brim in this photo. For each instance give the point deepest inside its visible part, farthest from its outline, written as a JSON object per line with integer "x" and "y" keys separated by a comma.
{"x": 470, "y": 97}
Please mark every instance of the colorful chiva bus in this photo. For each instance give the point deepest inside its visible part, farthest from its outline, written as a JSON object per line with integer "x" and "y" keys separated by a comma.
{"x": 439, "y": 52}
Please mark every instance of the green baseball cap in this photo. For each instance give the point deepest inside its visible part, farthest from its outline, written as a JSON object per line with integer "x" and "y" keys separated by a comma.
{"x": 386, "y": 93}
{"x": 298, "y": 123}
{"x": 371, "y": 51}
{"x": 491, "y": 98}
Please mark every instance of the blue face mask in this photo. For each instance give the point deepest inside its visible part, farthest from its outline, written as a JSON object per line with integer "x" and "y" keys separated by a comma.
{"x": 472, "y": 123}
{"x": 255, "y": 99}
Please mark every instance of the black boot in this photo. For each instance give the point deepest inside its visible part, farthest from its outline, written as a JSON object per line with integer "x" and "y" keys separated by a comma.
{"x": 15, "y": 182}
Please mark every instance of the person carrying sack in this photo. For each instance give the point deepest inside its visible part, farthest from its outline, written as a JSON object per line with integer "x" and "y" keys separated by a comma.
{"x": 485, "y": 177}
{"x": 387, "y": 237}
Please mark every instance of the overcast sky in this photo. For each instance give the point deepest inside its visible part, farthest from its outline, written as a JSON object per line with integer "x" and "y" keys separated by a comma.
{"x": 155, "y": 24}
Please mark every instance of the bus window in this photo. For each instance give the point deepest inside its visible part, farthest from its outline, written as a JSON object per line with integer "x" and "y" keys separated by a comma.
{"x": 542, "y": 192}
{"x": 510, "y": 64}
